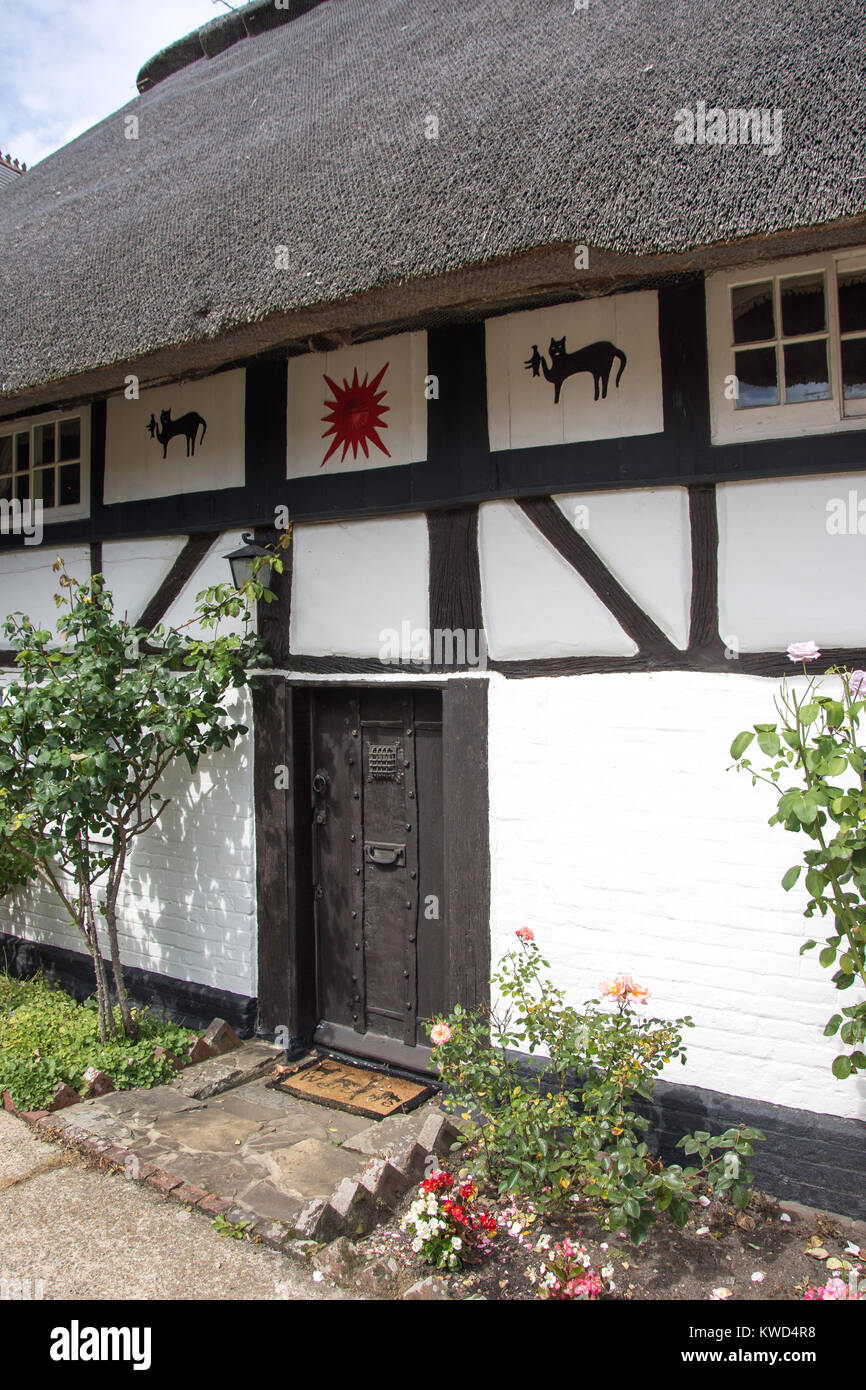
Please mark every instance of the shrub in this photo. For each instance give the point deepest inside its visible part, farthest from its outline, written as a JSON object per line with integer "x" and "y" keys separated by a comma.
{"x": 573, "y": 1130}
{"x": 817, "y": 771}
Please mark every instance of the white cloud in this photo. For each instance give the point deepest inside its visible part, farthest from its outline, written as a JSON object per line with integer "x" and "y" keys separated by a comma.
{"x": 66, "y": 66}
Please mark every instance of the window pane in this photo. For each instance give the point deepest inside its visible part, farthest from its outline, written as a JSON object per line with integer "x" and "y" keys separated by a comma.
{"x": 806, "y": 376}
{"x": 70, "y": 485}
{"x": 6, "y": 489}
{"x": 852, "y": 301}
{"x": 22, "y": 486}
{"x": 752, "y": 312}
{"x": 70, "y": 440}
{"x": 6, "y": 454}
{"x": 43, "y": 485}
{"x": 756, "y": 377}
{"x": 44, "y": 444}
{"x": 802, "y": 299}
{"x": 854, "y": 368}
{"x": 22, "y": 452}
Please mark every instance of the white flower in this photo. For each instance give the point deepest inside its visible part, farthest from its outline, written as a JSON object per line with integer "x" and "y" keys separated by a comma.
{"x": 606, "y": 1271}
{"x": 457, "y": 1243}
{"x": 416, "y": 1245}
{"x": 784, "y": 1216}
{"x": 758, "y": 1277}
{"x": 851, "y": 1249}
{"x": 604, "y": 1245}
{"x": 318, "y": 1276}
{"x": 543, "y": 1243}
{"x": 704, "y": 1201}
{"x": 720, "y": 1293}
{"x": 702, "y": 1231}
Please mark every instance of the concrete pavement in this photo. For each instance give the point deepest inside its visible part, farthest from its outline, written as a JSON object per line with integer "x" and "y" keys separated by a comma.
{"x": 69, "y": 1231}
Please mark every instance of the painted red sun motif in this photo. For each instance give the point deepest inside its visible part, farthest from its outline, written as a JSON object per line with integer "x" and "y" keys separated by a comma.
{"x": 355, "y": 415}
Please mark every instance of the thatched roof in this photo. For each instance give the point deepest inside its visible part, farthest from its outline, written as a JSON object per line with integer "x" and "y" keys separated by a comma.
{"x": 554, "y": 128}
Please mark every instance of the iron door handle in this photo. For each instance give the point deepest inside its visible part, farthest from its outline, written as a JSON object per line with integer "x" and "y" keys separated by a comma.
{"x": 384, "y": 854}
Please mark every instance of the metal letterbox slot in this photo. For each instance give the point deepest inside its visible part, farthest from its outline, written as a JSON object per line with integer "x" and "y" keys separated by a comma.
{"x": 377, "y": 853}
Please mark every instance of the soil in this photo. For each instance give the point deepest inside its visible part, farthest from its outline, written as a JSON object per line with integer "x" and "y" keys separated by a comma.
{"x": 719, "y": 1249}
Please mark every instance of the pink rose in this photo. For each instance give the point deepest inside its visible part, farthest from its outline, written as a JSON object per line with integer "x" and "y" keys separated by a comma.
{"x": 525, "y": 933}
{"x": 638, "y": 992}
{"x": 803, "y": 651}
{"x": 855, "y": 684}
{"x": 615, "y": 989}
{"x": 440, "y": 1033}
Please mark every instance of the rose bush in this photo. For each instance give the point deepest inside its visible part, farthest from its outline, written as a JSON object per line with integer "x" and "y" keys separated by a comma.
{"x": 817, "y": 770}
{"x": 572, "y": 1129}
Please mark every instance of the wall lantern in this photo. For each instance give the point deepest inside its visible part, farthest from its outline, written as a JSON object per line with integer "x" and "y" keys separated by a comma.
{"x": 241, "y": 561}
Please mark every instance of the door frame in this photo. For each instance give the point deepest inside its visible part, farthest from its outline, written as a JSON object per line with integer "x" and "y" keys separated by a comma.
{"x": 283, "y": 835}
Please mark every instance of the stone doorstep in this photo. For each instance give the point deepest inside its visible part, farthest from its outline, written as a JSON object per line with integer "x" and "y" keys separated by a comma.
{"x": 225, "y": 1072}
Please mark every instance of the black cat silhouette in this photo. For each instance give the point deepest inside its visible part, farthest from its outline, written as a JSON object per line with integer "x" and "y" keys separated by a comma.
{"x": 596, "y": 358}
{"x": 167, "y": 428}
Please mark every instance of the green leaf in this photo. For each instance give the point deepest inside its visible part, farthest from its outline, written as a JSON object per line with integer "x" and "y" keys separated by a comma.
{"x": 740, "y": 744}
{"x": 816, "y": 882}
{"x": 842, "y": 1067}
{"x": 769, "y": 744}
{"x": 791, "y": 877}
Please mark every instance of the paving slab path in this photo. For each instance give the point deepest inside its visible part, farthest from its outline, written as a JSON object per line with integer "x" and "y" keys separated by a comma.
{"x": 71, "y": 1231}
{"x": 221, "y": 1139}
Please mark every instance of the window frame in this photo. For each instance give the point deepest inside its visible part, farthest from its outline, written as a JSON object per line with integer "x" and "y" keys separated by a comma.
{"x": 31, "y": 423}
{"x": 788, "y": 419}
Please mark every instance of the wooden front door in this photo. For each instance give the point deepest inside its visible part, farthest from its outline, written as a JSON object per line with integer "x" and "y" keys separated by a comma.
{"x": 381, "y": 928}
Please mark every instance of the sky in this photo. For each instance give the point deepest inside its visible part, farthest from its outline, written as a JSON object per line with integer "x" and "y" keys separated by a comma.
{"x": 65, "y": 64}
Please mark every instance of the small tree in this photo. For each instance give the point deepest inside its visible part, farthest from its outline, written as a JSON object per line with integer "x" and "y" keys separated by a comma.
{"x": 87, "y": 731}
{"x": 816, "y": 766}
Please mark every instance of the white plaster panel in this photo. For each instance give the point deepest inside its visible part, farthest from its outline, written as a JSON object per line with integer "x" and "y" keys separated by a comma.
{"x": 402, "y": 426}
{"x": 134, "y": 463}
{"x": 783, "y": 576}
{"x": 134, "y": 571}
{"x": 28, "y": 583}
{"x": 620, "y": 837}
{"x": 643, "y": 537}
{"x": 354, "y": 581}
{"x": 188, "y": 904}
{"x": 521, "y": 408}
{"x": 214, "y": 569}
{"x": 535, "y": 604}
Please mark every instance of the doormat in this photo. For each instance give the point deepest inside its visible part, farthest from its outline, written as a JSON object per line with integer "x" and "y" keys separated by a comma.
{"x": 356, "y": 1089}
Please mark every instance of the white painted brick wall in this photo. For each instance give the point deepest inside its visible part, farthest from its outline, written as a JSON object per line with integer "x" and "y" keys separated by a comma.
{"x": 188, "y": 906}
{"x": 619, "y": 837}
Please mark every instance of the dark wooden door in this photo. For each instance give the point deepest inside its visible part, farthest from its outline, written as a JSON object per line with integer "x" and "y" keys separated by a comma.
{"x": 381, "y": 926}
